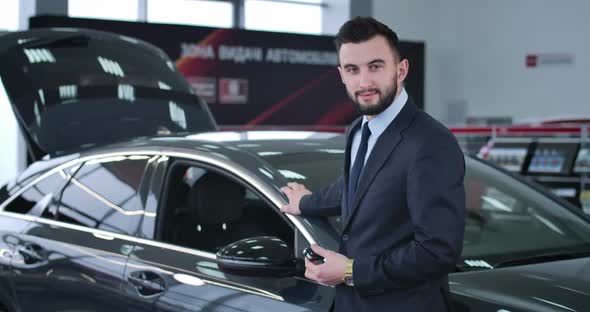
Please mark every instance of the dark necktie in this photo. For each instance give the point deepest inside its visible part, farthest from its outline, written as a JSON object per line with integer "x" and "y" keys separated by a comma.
{"x": 357, "y": 167}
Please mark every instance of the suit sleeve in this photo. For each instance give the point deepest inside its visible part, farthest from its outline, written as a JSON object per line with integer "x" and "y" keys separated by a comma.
{"x": 325, "y": 202}
{"x": 436, "y": 203}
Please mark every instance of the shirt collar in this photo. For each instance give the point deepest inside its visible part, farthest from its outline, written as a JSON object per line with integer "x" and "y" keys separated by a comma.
{"x": 378, "y": 124}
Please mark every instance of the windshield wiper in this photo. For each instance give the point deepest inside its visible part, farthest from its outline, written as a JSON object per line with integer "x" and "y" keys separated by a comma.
{"x": 547, "y": 257}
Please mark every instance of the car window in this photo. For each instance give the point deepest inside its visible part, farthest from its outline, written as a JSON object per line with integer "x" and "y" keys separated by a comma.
{"x": 206, "y": 210}
{"x": 40, "y": 199}
{"x": 506, "y": 217}
{"x": 313, "y": 169}
{"x": 104, "y": 194}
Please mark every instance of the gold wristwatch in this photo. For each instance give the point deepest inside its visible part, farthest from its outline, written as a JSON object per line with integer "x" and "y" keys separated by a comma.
{"x": 348, "y": 273}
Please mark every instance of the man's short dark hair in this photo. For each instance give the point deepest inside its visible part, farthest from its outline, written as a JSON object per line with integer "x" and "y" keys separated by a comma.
{"x": 361, "y": 29}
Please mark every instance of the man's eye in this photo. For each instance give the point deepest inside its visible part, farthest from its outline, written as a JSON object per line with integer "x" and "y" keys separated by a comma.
{"x": 374, "y": 67}
{"x": 351, "y": 70}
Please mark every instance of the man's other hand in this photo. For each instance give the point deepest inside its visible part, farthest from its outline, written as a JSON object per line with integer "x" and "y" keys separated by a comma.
{"x": 294, "y": 192}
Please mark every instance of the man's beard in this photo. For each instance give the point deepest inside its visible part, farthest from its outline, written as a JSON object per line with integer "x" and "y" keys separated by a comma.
{"x": 379, "y": 107}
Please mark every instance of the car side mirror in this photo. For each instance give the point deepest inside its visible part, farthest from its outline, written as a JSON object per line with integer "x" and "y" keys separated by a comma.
{"x": 259, "y": 256}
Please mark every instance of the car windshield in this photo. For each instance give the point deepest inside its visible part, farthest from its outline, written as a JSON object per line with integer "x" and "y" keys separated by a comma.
{"x": 75, "y": 83}
{"x": 506, "y": 219}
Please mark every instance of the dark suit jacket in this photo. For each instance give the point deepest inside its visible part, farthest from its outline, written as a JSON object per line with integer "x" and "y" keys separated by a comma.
{"x": 405, "y": 229}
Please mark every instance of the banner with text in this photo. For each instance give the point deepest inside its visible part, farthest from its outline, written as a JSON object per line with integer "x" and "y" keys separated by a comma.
{"x": 256, "y": 78}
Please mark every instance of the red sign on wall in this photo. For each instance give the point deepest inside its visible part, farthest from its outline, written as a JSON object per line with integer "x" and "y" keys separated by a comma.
{"x": 531, "y": 60}
{"x": 543, "y": 59}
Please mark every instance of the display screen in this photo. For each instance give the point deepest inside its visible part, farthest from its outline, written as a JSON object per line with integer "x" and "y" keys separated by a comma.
{"x": 553, "y": 158}
{"x": 509, "y": 158}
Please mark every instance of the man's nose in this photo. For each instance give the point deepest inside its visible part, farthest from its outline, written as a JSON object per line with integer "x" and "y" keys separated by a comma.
{"x": 365, "y": 81}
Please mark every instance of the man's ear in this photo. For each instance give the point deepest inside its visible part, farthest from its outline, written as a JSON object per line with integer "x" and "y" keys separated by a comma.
{"x": 340, "y": 72}
{"x": 403, "y": 68}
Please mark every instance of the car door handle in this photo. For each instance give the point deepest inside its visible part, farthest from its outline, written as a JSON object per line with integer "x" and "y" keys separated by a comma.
{"x": 147, "y": 283}
{"x": 30, "y": 253}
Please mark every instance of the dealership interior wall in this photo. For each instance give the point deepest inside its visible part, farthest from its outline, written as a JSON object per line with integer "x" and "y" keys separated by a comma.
{"x": 476, "y": 50}
{"x": 475, "y": 56}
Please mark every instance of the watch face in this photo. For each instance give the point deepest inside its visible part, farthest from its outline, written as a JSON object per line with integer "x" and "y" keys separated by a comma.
{"x": 348, "y": 281}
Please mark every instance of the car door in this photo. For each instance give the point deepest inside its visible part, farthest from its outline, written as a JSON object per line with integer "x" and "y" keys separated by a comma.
{"x": 197, "y": 209}
{"x": 11, "y": 225}
{"x": 18, "y": 213}
{"x": 73, "y": 256}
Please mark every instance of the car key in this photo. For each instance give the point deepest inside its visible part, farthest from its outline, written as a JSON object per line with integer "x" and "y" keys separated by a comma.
{"x": 312, "y": 256}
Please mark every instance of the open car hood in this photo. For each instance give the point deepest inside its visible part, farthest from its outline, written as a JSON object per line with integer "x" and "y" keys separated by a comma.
{"x": 72, "y": 89}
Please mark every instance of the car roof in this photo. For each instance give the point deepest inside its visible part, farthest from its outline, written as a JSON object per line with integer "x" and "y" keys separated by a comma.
{"x": 243, "y": 149}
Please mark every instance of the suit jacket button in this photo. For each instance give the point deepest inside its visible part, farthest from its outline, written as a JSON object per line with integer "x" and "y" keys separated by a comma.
{"x": 345, "y": 237}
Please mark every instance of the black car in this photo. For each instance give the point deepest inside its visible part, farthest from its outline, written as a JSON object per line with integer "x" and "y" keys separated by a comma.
{"x": 135, "y": 202}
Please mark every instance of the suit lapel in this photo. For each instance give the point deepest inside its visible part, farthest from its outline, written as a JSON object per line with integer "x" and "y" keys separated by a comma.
{"x": 385, "y": 145}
